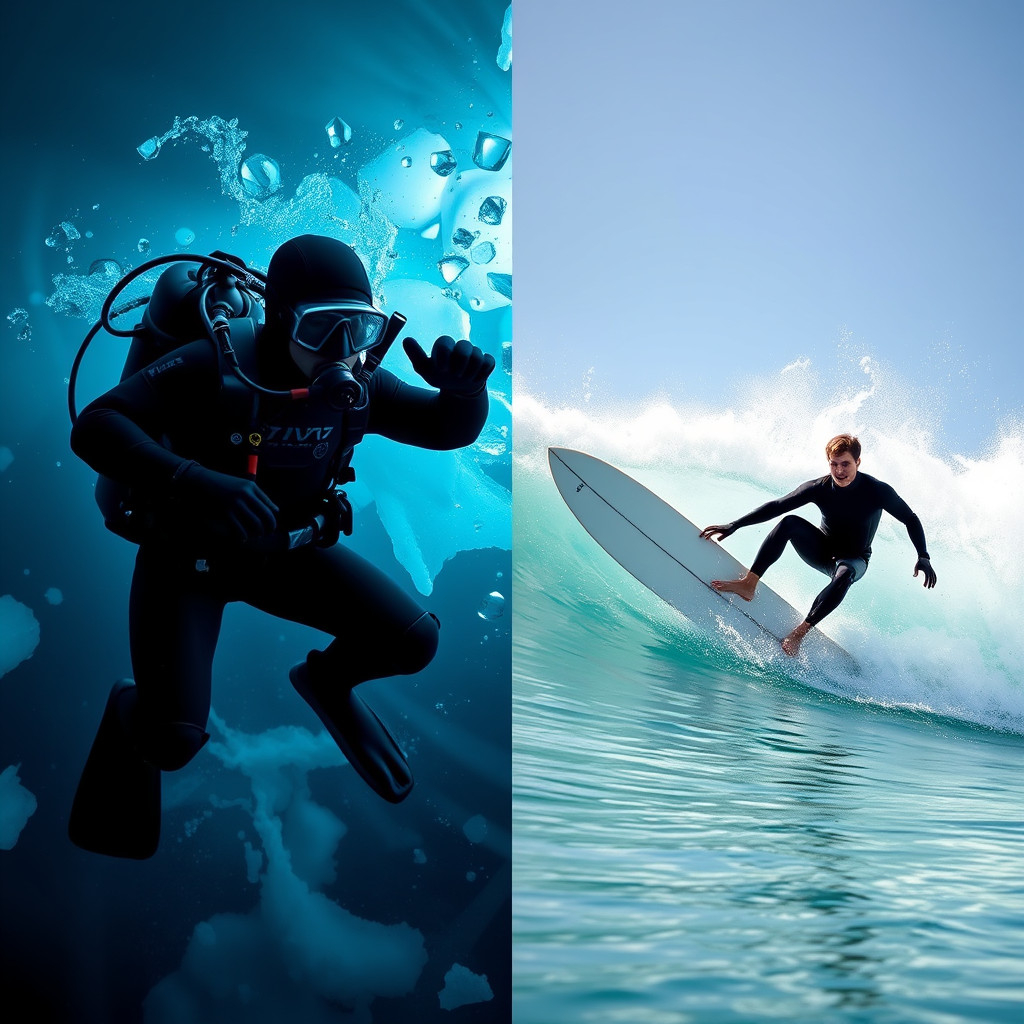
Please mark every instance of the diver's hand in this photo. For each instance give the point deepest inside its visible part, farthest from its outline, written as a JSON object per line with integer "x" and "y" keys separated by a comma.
{"x": 925, "y": 566}
{"x": 228, "y": 501}
{"x": 457, "y": 367}
{"x": 717, "y": 532}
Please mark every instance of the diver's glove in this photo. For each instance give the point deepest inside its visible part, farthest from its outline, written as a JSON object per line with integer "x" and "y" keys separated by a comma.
{"x": 717, "y": 532}
{"x": 924, "y": 565}
{"x": 225, "y": 502}
{"x": 457, "y": 367}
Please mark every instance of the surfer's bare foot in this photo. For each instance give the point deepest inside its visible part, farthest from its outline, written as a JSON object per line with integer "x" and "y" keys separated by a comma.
{"x": 744, "y": 586}
{"x": 791, "y": 644}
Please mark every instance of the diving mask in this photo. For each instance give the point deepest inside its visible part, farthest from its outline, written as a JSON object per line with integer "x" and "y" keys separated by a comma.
{"x": 338, "y": 330}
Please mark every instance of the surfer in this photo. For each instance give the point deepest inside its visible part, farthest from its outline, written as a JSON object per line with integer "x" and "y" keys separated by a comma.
{"x": 851, "y": 505}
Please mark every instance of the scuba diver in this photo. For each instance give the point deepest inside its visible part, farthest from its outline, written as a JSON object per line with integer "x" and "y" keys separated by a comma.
{"x": 851, "y": 505}
{"x": 223, "y": 462}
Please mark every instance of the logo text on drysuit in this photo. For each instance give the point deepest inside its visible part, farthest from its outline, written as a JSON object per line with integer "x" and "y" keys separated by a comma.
{"x": 296, "y": 435}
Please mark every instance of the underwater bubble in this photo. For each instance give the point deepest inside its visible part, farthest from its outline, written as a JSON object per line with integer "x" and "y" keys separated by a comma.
{"x": 452, "y": 266}
{"x": 95, "y": 206}
{"x": 492, "y": 606}
{"x": 407, "y": 161}
{"x": 491, "y": 151}
{"x": 506, "y": 351}
{"x": 53, "y": 595}
{"x": 458, "y": 125}
{"x": 399, "y": 124}
{"x": 144, "y": 245}
{"x": 18, "y": 320}
{"x": 261, "y": 176}
{"x": 150, "y": 149}
{"x": 492, "y": 209}
{"x": 501, "y": 283}
{"x": 338, "y": 132}
{"x": 482, "y": 253}
{"x": 442, "y": 162}
{"x": 106, "y": 268}
{"x": 184, "y": 236}
{"x": 62, "y": 235}
{"x": 463, "y": 238}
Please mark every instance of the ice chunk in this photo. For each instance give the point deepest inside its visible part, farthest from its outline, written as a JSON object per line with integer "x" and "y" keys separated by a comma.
{"x": 462, "y": 986}
{"x": 464, "y": 198}
{"x": 451, "y": 266}
{"x": 501, "y": 283}
{"x": 491, "y": 151}
{"x": 150, "y": 149}
{"x": 492, "y": 209}
{"x": 504, "y": 57}
{"x": 297, "y": 947}
{"x": 402, "y": 182}
{"x": 144, "y": 245}
{"x": 482, "y": 253}
{"x": 17, "y": 805}
{"x": 184, "y": 236}
{"x": 261, "y": 176}
{"x": 492, "y": 606}
{"x": 443, "y": 162}
{"x": 19, "y": 633}
{"x": 338, "y": 132}
{"x": 506, "y": 347}
{"x": 399, "y": 124}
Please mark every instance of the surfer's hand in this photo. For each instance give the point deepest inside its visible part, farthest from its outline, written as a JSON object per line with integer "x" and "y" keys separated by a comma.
{"x": 710, "y": 532}
{"x": 925, "y": 566}
{"x": 457, "y": 367}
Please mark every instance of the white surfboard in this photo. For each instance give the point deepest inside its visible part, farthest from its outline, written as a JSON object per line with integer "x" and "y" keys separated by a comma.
{"x": 666, "y": 553}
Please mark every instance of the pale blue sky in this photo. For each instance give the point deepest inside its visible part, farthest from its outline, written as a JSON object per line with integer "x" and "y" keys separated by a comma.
{"x": 706, "y": 190}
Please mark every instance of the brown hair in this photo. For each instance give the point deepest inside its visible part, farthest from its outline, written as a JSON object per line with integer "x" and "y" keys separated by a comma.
{"x": 843, "y": 443}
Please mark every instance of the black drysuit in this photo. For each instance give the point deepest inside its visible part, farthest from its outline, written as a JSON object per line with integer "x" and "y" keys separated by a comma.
{"x": 145, "y": 433}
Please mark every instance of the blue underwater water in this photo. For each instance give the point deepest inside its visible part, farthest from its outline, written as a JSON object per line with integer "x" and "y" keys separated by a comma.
{"x": 705, "y": 833}
{"x": 283, "y": 887}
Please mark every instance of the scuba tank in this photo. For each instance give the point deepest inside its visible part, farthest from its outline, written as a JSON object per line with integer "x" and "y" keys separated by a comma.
{"x": 200, "y": 297}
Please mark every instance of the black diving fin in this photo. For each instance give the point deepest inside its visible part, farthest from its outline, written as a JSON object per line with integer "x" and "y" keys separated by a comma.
{"x": 363, "y": 738}
{"x": 116, "y": 810}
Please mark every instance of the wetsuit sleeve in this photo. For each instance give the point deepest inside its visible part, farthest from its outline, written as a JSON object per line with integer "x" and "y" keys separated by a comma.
{"x": 119, "y": 433}
{"x": 427, "y": 419}
{"x": 899, "y": 509}
{"x": 803, "y": 495}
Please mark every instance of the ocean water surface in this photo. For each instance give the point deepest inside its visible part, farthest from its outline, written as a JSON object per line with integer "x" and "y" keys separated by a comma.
{"x": 706, "y": 834}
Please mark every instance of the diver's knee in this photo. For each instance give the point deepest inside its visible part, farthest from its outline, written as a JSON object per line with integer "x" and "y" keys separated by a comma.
{"x": 171, "y": 745}
{"x": 418, "y": 644}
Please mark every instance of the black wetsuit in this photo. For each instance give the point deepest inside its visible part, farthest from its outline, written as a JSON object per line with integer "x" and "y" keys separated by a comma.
{"x": 147, "y": 430}
{"x": 841, "y": 548}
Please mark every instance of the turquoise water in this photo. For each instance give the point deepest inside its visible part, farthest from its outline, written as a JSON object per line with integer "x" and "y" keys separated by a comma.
{"x": 698, "y": 837}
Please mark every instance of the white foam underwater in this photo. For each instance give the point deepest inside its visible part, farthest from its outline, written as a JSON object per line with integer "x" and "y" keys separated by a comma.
{"x": 952, "y": 651}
